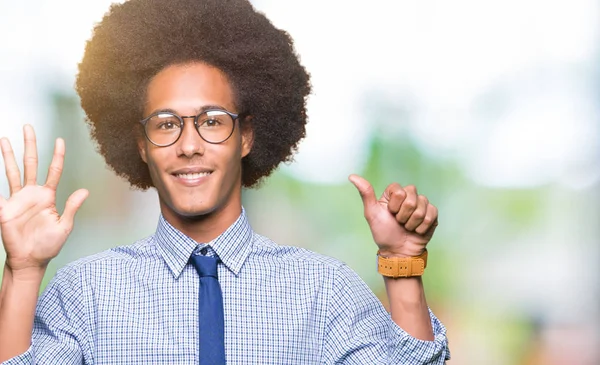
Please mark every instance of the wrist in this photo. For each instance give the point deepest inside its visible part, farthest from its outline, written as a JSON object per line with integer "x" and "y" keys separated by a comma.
{"x": 24, "y": 275}
{"x": 410, "y": 251}
{"x": 396, "y": 267}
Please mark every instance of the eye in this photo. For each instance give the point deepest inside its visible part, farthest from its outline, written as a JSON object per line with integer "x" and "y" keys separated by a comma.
{"x": 212, "y": 122}
{"x": 164, "y": 122}
{"x": 166, "y": 125}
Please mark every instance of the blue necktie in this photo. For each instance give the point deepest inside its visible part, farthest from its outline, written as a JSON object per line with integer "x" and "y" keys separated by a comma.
{"x": 211, "y": 318}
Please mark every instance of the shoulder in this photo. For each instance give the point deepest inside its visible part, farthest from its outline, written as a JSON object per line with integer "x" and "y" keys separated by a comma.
{"x": 346, "y": 286}
{"x": 266, "y": 249}
{"x": 116, "y": 256}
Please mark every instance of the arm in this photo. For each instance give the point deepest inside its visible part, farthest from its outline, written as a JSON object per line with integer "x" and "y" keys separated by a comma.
{"x": 359, "y": 329}
{"x": 61, "y": 326}
{"x": 402, "y": 223}
{"x": 32, "y": 234}
{"x": 408, "y": 306}
{"x": 18, "y": 299}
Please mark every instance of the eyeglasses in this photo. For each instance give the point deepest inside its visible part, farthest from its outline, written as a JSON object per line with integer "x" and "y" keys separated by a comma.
{"x": 214, "y": 126}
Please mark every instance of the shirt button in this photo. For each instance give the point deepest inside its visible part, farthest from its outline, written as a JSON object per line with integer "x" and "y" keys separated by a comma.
{"x": 204, "y": 251}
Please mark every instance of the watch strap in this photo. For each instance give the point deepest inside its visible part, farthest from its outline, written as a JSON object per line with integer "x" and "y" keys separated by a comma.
{"x": 402, "y": 267}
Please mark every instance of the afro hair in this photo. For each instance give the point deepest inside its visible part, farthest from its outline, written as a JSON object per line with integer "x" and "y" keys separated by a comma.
{"x": 137, "y": 39}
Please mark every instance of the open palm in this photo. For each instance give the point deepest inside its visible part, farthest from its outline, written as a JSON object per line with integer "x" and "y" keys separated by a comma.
{"x": 32, "y": 230}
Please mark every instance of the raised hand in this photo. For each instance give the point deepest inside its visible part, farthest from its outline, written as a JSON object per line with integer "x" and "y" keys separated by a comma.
{"x": 401, "y": 221}
{"x": 32, "y": 230}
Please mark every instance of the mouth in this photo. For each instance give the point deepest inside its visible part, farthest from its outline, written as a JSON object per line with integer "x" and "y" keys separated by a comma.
{"x": 192, "y": 176}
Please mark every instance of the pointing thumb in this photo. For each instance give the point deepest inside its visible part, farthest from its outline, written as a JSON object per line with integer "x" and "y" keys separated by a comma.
{"x": 365, "y": 190}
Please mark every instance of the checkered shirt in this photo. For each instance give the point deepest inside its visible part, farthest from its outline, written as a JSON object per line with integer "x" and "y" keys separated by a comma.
{"x": 138, "y": 304}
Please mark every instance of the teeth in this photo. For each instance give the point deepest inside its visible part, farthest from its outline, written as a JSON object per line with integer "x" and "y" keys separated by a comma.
{"x": 193, "y": 176}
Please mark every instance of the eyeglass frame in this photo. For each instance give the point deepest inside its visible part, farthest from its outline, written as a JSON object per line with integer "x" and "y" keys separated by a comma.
{"x": 234, "y": 117}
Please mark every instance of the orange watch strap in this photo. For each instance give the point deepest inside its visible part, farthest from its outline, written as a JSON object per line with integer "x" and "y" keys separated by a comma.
{"x": 402, "y": 267}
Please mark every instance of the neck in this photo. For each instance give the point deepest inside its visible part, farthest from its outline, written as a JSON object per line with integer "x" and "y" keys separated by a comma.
{"x": 206, "y": 227}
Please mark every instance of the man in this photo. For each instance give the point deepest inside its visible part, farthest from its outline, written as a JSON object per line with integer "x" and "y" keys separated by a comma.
{"x": 197, "y": 99}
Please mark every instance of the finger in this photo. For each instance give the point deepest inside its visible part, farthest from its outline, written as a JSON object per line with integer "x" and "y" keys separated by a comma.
{"x": 430, "y": 221}
{"x": 408, "y": 205}
{"x": 394, "y": 195}
{"x": 366, "y": 192}
{"x": 56, "y": 166}
{"x": 30, "y": 158}
{"x": 416, "y": 218}
{"x": 72, "y": 205}
{"x": 10, "y": 164}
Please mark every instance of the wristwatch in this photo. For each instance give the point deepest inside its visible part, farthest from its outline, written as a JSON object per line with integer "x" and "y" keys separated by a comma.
{"x": 402, "y": 267}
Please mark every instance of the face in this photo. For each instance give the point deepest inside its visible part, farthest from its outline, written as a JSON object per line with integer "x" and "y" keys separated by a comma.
{"x": 194, "y": 178}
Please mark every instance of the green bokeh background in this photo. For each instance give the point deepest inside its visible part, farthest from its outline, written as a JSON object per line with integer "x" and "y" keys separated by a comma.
{"x": 513, "y": 270}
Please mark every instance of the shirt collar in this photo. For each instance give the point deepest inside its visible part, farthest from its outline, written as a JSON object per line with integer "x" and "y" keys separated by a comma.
{"x": 232, "y": 246}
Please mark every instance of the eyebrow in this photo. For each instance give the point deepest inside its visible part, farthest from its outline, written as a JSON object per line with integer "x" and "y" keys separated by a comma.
{"x": 200, "y": 110}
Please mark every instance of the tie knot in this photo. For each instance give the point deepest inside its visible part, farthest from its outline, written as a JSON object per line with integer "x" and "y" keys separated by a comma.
{"x": 205, "y": 265}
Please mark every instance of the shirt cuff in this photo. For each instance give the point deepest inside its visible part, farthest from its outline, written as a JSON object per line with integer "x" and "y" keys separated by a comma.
{"x": 434, "y": 352}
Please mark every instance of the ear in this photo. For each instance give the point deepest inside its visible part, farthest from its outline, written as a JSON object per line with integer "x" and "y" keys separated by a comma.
{"x": 247, "y": 136}
{"x": 141, "y": 143}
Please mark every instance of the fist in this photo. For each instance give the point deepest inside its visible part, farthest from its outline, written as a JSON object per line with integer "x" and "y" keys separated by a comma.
{"x": 402, "y": 222}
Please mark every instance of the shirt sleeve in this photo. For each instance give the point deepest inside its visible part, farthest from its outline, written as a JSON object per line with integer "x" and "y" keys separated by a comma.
{"x": 59, "y": 326}
{"x": 360, "y": 331}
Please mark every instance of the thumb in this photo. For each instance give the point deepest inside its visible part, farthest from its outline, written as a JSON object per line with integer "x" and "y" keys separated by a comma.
{"x": 73, "y": 204}
{"x": 365, "y": 189}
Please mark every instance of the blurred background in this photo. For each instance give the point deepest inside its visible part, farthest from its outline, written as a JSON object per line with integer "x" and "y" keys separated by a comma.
{"x": 491, "y": 108}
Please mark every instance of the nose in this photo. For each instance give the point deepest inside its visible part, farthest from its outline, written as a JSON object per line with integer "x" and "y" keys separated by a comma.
{"x": 190, "y": 142}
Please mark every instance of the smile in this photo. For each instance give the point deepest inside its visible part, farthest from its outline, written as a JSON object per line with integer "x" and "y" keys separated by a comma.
{"x": 193, "y": 176}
